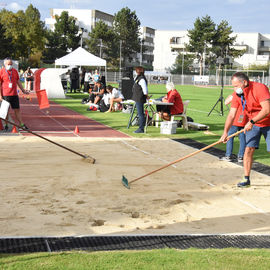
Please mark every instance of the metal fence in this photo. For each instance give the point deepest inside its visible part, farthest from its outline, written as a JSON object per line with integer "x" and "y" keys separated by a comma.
{"x": 114, "y": 77}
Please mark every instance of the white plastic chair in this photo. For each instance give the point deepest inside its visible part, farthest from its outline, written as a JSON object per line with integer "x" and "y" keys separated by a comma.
{"x": 183, "y": 115}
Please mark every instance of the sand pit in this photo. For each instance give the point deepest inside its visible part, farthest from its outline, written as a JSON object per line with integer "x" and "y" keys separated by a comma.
{"x": 47, "y": 191}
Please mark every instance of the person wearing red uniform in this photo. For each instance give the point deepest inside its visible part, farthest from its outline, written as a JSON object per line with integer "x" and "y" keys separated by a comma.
{"x": 254, "y": 97}
{"x": 239, "y": 122}
{"x": 9, "y": 80}
{"x": 172, "y": 97}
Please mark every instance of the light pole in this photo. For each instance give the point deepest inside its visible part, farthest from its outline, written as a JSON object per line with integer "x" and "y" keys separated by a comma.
{"x": 81, "y": 32}
{"x": 100, "y": 49}
{"x": 141, "y": 53}
{"x": 120, "y": 75}
{"x": 183, "y": 59}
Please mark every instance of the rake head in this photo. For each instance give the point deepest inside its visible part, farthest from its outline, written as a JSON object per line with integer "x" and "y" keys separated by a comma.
{"x": 89, "y": 159}
{"x": 125, "y": 182}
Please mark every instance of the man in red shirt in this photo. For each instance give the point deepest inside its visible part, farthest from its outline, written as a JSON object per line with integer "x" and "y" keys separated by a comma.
{"x": 9, "y": 80}
{"x": 255, "y": 98}
{"x": 172, "y": 97}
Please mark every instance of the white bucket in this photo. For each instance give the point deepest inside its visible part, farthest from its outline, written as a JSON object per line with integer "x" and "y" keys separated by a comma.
{"x": 167, "y": 127}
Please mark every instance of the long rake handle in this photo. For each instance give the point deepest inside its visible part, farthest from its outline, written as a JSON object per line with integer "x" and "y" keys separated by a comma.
{"x": 48, "y": 140}
{"x": 185, "y": 157}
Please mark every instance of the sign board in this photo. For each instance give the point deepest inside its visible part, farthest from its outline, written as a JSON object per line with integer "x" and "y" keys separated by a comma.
{"x": 201, "y": 79}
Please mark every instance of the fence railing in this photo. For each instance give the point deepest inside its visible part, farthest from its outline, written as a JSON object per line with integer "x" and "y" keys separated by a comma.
{"x": 185, "y": 79}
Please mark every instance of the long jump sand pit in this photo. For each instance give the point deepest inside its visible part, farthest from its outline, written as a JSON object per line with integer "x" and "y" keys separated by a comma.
{"x": 47, "y": 191}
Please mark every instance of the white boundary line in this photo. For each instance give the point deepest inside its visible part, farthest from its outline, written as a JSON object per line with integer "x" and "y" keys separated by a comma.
{"x": 251, "y": 205}
{"x": 147, "y": 153}
{"x": 203, "y": 181}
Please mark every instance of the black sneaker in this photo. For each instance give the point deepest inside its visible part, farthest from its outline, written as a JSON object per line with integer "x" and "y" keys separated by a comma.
{"x": 226, "y": 158}
{"x": 244, "y": 184}
{"x": 240, "y": 159}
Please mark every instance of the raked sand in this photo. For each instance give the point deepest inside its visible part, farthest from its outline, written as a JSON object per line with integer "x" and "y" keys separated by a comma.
{"x": 48, "y": 191}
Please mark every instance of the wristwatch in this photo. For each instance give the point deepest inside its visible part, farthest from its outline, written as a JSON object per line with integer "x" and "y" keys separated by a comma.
{"x": 252, "y": 122}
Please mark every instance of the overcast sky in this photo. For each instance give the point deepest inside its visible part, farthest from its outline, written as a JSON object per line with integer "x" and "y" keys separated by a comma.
{"x": 242, "y": 15}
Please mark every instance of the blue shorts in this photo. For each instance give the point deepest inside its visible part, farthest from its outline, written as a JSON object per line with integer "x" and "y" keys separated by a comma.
{"x": 253, "y": 137}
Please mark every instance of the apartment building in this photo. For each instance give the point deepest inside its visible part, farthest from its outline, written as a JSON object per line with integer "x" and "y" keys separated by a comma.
{"x": 169, "y": 43}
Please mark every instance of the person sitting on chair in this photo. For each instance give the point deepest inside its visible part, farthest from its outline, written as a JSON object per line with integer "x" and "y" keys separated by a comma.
{"x": 174, "y": 97}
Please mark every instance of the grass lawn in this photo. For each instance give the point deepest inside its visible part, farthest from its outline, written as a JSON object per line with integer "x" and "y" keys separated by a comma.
{"x": 201, "y": 102}
{"x": 154, "y": 259}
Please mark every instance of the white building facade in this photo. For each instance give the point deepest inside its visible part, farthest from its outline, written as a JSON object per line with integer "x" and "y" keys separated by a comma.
{"x": 168, "y": 43}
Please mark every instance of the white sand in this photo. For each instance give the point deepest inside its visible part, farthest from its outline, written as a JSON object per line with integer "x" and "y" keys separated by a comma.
{"x": 48, "y": 191}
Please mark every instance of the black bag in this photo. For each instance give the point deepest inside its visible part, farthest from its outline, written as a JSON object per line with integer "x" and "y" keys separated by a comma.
{"x": 85, "y": 100}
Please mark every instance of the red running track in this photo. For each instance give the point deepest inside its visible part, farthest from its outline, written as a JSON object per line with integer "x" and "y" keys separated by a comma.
{"x": 60, "y": 121}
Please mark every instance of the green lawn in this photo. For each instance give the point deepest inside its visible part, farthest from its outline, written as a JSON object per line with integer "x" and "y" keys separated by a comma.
{"x": 170, "y": 259}
{"x": 201, "y": 102}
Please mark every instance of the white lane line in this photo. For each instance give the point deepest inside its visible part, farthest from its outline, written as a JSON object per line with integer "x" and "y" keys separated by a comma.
{"x": 251, "y": 205}
{"x": 59, "y": 123}
{"x": 208, "y": 183}
{"x": 147, "y": 153}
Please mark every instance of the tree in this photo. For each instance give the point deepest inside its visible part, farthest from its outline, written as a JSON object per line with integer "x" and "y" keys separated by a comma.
{"x": 6, "y": 45}
{"x": 183, "y": 64}
{"x": 102, "y": 42}
{"x": 24, "y": 31}
{"x": 126, "y": 27}
{"x": 210, "y": 41}
{"x": 224, "y": 40}
{"x": 63, "y": 39}
{"x": 34, "y": 31}
{"x": 14, "y": 24}
{"x": 201, "y": 37}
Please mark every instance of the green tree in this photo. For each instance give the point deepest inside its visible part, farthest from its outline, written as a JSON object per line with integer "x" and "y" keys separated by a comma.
{"x": 25, "y": 33}
{"x": 14, "y": 24}
{"x": 63, "y": 39}
{"x": 34, "y": 31}
{"x": 126, "y": 27}
{"x": 102, "y": 43}
{"x": 209, "y": 41}
{"x": 224, "y": 40}
{"x": 201, "y": 38}
{"x": 6, "y": 45}
{"x": 183, "y": 64}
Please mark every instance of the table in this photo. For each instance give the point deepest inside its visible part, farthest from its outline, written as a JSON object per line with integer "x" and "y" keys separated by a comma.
{"x": 149, "y": 106}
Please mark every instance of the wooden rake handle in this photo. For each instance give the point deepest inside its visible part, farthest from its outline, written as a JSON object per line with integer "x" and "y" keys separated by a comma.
{"x": 46, "y": 139}
{"x": 187, "y": 156}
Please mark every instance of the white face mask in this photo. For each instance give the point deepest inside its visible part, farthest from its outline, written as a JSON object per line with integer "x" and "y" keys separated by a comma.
{"x": 239, "y": 91}
{"x": 9, "y": 67}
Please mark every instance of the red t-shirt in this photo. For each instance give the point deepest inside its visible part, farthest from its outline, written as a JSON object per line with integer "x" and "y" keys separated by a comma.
{"x": 241, "y": 118}
{"x": 254, "y": 94}
{"x": 7, "y": 77}
{"x": 174, "y": 97}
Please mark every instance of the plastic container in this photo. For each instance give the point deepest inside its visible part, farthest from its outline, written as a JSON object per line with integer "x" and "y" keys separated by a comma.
{"x": 167, "y": 127}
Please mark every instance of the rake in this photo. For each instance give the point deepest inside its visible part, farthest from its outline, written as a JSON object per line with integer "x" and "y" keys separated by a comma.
{"x": 85, "y": 157}
{"x": 127, "y": 183}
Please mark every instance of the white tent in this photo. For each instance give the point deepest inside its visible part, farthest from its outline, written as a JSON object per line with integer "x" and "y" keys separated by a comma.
{"x": 80, "y": 57}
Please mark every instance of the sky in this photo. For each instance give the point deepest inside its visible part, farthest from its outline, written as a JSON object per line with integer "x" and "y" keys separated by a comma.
{"x": 242, "y": 15}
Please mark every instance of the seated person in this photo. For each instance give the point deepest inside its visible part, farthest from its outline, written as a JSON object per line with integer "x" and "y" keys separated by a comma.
{"x": 174, "y": 97}
{"x": 97, "y": 93}
{"x": 116, "y": 97}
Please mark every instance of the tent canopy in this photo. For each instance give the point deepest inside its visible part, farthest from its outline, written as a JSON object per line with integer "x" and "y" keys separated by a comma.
{"x": 80, "y": 57}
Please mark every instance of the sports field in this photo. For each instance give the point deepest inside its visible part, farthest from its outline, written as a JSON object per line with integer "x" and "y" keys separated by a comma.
{"x": 50, "y": 192}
